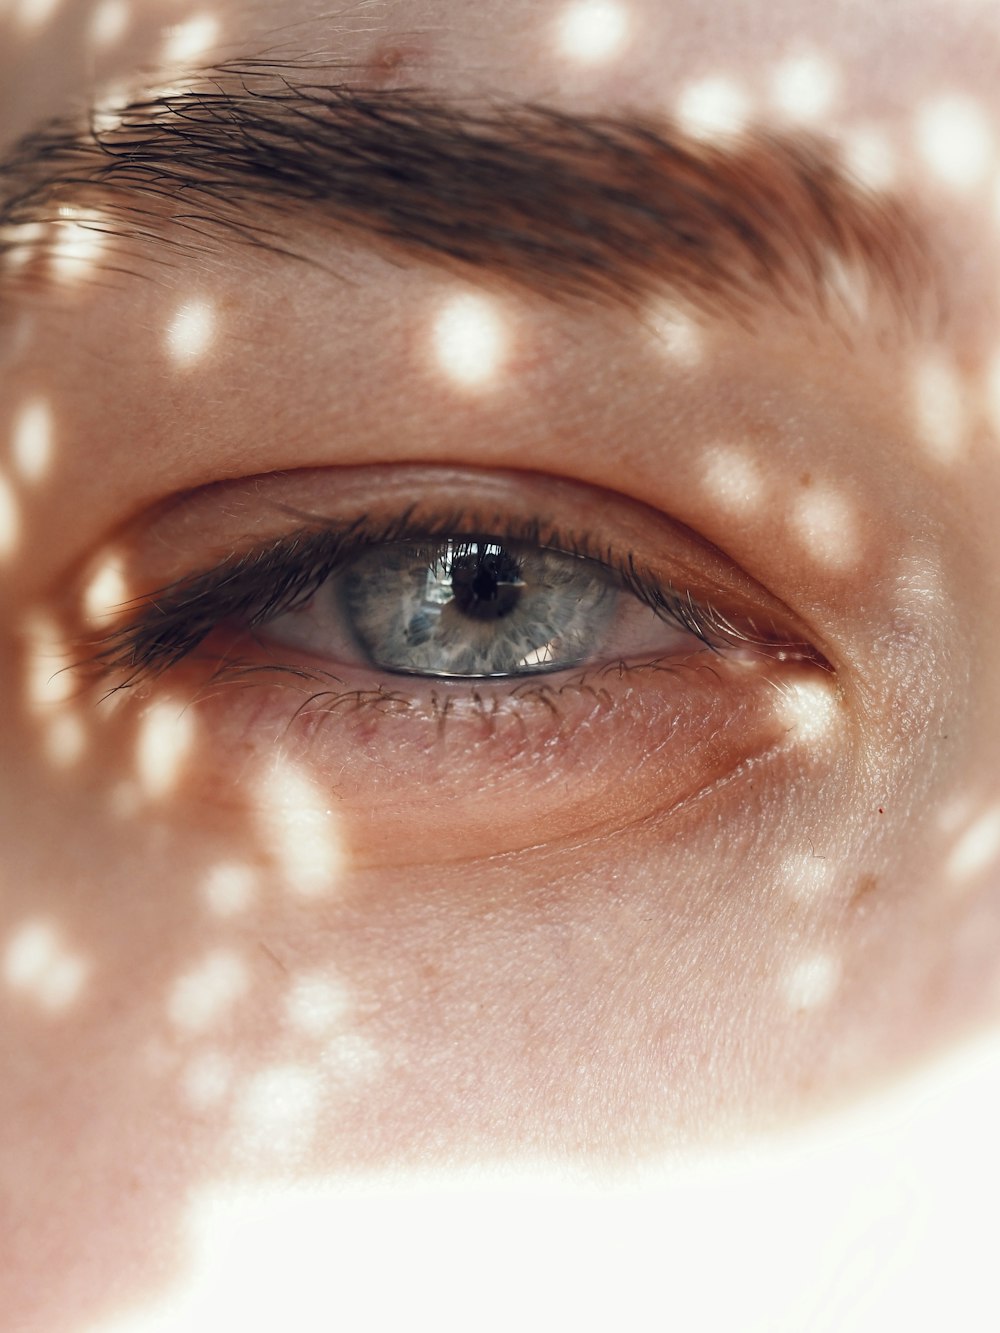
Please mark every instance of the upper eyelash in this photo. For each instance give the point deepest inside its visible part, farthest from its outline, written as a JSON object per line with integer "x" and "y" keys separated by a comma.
{"x": 258, "y": 585}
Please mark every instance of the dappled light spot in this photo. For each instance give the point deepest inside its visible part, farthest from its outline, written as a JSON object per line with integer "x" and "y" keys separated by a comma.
{"x": 106, "y": 591}
{"x": 21, "y": 242}
{"x": 48, "y": 683}
{"x": 229, "y": 888}
{"x": 350, "y": 1059}
{"x": 939, "y": 407}
{"x": 166, "y": 734}
{"x": 811, "y": 982}
{"x": 109, "y": 22}
{"x": 77, "y": 241}
{"x": 808, "y": 876}
{"x": 804, "y": 87}
{"x": 302, "y": 831}
{"x": 955, "y": 140}
{"x": 33, "y": 15}
{"x": 977, "y": 848}
{"x": 316, "y": 1004}
{"x": 206, "y": 1080}
{"x": 38, "y": 964}
{"x": 713, "y": 108}
{"x": 675, "y": 334}
{"x": 205, "y": 996}
{"x": 592, "y": 32}
{"x": 808, "y": 708}
{"x": 190, "y": 332}
{"x": 870, "y": 157}
{"x": 732, "y": 478}
{"x": 10, "y": 519}
{"x": 276, "y": 1113}
{"x": 825, "y": 523}
{"x": 470, "y": 340}
{"x": 65, "y": 740}
{"x": 190, "y": 40}
{"x": 32, "y": 440}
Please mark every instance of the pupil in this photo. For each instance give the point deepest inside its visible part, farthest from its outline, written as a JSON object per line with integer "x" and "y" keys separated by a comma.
{"x": 485, "y": 584}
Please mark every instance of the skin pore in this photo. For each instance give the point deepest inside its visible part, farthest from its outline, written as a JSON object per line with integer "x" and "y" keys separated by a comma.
{"x": 262, "y": 928}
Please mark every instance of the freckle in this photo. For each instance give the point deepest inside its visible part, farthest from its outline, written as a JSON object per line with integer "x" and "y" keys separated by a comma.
{"x": 976, "y": 849}
{"x": 713, "y": 108}
{"x": 10, "y": 520}
{"x": 591, "y": 32}
{"x": 733, "y": 479}
{"x": 812, "y": 982}
{"x": 32, "y": 445}
{"x": 204, "y": 996}
{"x": 826, "y": 526}
{"x": 865, "y": 887}
{"x": 190, "y": 332}
{"x": 108, "y": 22}
{"x": 804, "y": 87}
{"x": 955, "y": 140}
{"x": 165, "y": 738}
{"x": 808, "y": 709}
{"x": 870, "y": 157}
{"x": 229, "y": 888}
{"x": 38, "y": 963}
{"x": 189, "y": 40}
{"x": 469, "y": 340}
{"x": 939, "y": 407}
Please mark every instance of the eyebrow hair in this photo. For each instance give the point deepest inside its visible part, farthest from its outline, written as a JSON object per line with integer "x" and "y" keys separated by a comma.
{"x": 599, "y": 208}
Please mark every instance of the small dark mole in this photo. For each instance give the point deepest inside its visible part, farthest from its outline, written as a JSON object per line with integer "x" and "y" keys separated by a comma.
{"x": 881, "y": 810}
{"x": 386, "y": 62}
{"x": 806, "y": 479}
{"x": 864, "y": 888}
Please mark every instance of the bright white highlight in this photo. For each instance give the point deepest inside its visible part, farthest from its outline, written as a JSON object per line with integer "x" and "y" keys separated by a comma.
{"x": 10, "y": 519}
{"x": 812, "y": 982}
{"x": 47, "y": 683}
{"x": 207, "y": 1080}
{"x": 187, "y": 41}
{"x": 470, "y": 340}
{"x": 65, "y": 740}
{"x": 808, "y": 876}
{"x": 78, "y": 239}
{"x": 870, "y": 158}
{"x": 955, "y": 140}
{"x": 804, "y": 87}
{"x": 189, "y": 334}
{"x": 713, "y": 108}
{"x": 316, "y": 1004}
{"x": 108, "y": 22}
{"x": 351, "y": 1059}
{"x": 106, "y": 591}
{"x": 592, "y": 31}
{"x": 977, "y": 849}
{"x": 809, "y": 709}
{"x": 166, "y": 734}
{"x": 31, "y": 442}
{"x": 276, "y": 1112}
{"x": 38, "y": 964}
{"x": 677, "y": 335}
{"x": 825, "y": 523}
{"x": 302, "y": 831}
{"x": 35, "y": 14}
{"x": 206, "y": 995}
{"x": 939, "y": 407}
{"x": 733, "y": 479}
{"x": 229, "y": 888}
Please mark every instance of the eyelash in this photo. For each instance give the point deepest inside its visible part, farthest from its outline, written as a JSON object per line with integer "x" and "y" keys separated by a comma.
{"x": 269, "y": 580}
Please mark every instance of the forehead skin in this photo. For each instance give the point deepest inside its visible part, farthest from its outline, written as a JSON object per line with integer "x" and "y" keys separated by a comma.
{"x": 910, "y": 95}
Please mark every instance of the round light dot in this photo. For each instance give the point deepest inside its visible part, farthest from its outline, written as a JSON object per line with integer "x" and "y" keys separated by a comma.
{"x": 676, "y": 335}
{"x": 977, "y": 849}
{"x": 807, "y": 876}
{"x": 205, "y": 995}
{"x": 591, "y": 32}
{"x": 206, "y": 1080}
{"x": 35, "y": 14}
{"x": 316, "y": 1004}
{"x": 31, "y": 445}
{"x": 190, "y": 332}
{"x": 189, "y": 40}
{"x": 277, "y": 1112}
{"x": 804, "y": 87}
{"x": 65, "y": 740}
{"x": 47, "y": 681}
{"x": 10, "y": 519}
{"x": 939, "y": 407}
{"x": 955, "y": 140}
{"x": 78, "y": 239}
{"x": 713, "y": 108}
{"x": 108, "y": 22}
{"x": 825, "y": 523}
{"x": 870, "y": 157}
{"x": 811, "y": 982}
{"x": 351, "y": 1059}
{"x": 808, "y": 709}
{"x": 38, "y": 963}
{"x": 302, "y": 831}
{"x": 733, "y": 479}
{"x": 470, "y": 340}
{"x": 106, "y": 592}
{"x": 229, "y": 888}
{"x": 166, "y": 734}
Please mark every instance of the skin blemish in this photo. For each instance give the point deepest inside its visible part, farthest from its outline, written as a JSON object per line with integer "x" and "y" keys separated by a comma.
{"x": 955, "y": 140}
{"x": 733, "y": 479}
{"x": 939, "y": 407}
{"x": 469, "y": 341}
{"x": 591, "y": 32}
{"x": 229, "y": 889}
{"x": 713, "y": 108}
{"x": 302, "y": 832}
{"x": 190, "y": 333}
{"x": 207, "y": 1080}
{"x": 316, "y": 1004}
{"x": 187, "y": 42}
{"x": 32, "y": 440}
{"x": 276, "y": 1113}
{"x": 824, "y": 521}
{"x": 808, "y": 709}
{"x": 166, "y": 735}
{"x": 206, "y": 995}
{"x": 976, "y": 849}
{"x": 10, "y": 520}
{"x": 870, "y": 157}
{"x": 811, "y": 982}
{"x": 38, "y": 964}
{"x": 676, "y": 335}
{"x": 108, "y": 23}
{"x": 804, "y": 87}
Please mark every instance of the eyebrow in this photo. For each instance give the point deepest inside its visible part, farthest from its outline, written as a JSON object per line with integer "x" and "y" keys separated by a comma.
{"x": 575, "y": 207}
